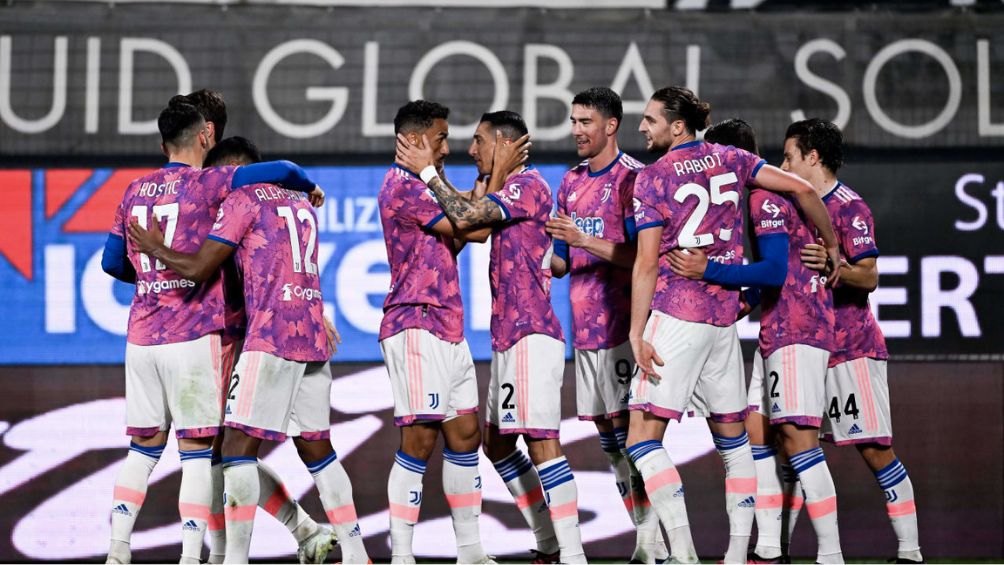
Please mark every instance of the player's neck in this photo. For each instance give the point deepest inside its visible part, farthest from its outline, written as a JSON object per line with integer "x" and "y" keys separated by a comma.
{"x": 822, "y": 181}
{"x": 190, "y": 157}
{"x": 681, "y": 140}
{"x": 516, "y": 171}
{"x": 604, "y": 158}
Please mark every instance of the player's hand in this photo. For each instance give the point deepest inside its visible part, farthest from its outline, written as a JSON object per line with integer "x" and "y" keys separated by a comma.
{"x": 645, "y": 356}
{"x": 414, "y": 157}
{"x": 690, "y": 263}
{"x": 334, "y": 338}
{"x": 146, "y": 241}
{"x": 316, "y": 196}
{"x": 833, "y": 254}
{"x": 814, "y": 256}
{"x": 508, "y": 156}
{"x": 562, "y": 227}
{"x": 480, "y": 188}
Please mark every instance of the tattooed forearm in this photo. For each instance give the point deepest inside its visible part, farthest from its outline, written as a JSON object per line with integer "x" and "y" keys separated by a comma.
{"x": 461, "y": 212}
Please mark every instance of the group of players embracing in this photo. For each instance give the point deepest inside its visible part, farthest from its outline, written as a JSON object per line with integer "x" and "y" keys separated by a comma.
{"x": 227, "y": 338}
{"x": 658, "y": 281}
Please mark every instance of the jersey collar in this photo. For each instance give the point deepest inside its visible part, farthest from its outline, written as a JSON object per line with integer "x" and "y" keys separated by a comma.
{"x": 832, "y": 190}
{"x": 687, "y": 145}
{"x": 409, "y": 171}
{"x": 176, "y": 165}
{"x": 606, "y": 169}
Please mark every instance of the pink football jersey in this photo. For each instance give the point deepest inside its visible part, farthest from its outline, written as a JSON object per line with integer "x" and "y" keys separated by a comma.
{"x": 695, "y": 193}
{"x": 520, "y": 268}
{"x": 600, "y": 204}
{"x": 168, "y": 308}
{"x": 425, "y": 286}
{"x": 274, "y": 231}
{"x": 858, "y": 333}
{"x": 801, "y": 310}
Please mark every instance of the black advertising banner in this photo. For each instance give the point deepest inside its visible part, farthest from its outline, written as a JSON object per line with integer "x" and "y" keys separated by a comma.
{"x": 90, "y": 79}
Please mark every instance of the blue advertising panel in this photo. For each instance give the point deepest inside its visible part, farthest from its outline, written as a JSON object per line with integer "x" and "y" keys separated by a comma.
{"x": 62, "y": 308}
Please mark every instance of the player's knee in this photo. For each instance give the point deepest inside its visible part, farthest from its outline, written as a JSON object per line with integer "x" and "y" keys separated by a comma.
{"x": 192, "y": 444}
{"x": 311, "y": 451}
{"x": 418, "y": 440}
{"x": 543, "y": 450}
{"x": 238, "y": 444}
{"x": 877, "y": 457}
{"x": 157, "y": 440}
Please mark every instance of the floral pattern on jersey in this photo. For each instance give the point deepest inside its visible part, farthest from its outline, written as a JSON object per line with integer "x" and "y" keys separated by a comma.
{"x": 520, "y": 267}
{"x": 167, "y": 308}
{"x": 425, "y": 286}
{"x": 667, "y": 194}
{"x": 801, "y": 310}
{"x": 273, "y": 230}
{"x": 600, "y": 291}
{"x": 857, "y": 332}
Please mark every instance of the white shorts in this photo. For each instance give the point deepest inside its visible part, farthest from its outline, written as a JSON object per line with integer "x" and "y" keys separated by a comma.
{"x": 858, "y": 403}
{"x": 795, "y": 386}
{"x": 268, "y": 394}
{"x": 524, "y": 396}
{"x": 431, "y": 379}
{"x": 179, "y": 382}
{"x": 602, "y": 381}
{"x": 703, "y": 370}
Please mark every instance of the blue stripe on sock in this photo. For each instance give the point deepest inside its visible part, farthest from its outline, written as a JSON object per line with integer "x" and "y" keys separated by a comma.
{"x": 206, "y": 453}
{"x": 410, "y": 463}
{"x": 555, "y": 475}
{"x": 723, "y": 443}
{"x": 807, "y": 459}
{"x": 641, "y": 449}
{"x": 216, "y": 459}
{"x": 763, "y": 451}
{"x": 318, "y": 466}
{"x": 463, "y": 459}
{"x": 621, "y": 434}
{"x": 513, "y": 466}
{"x": 153, "y": 452}
{"x": 242, "y": 460}
{"x": 890, "y": 476}
{"x": 608, "y": 442}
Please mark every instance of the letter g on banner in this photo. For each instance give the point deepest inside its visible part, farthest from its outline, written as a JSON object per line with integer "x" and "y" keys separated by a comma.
{"x": 339, "y": 96}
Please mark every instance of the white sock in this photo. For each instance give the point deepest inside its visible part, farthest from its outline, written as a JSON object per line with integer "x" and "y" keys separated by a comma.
{"x": 649, "y": 532}
{"x": 462, "y": 486}
{"x": 768, "y": 502}
{"x": 665, "y": 491}
{"x": 902, "y": 510}
{"x": 217, "y": 523}
{"x": 127, "y": 499}
{"x": 336, "y": 496}
{"x": 740, "y": 492}
{"x": 521, "y": 479}
{"x": 274, "y": 499}
{"x": 242, "y": 489}
{"x": 563, "y": 504}
{"x": 194, "y": 499}
{"x": 622, "y": 470}
{"x": 404, "y": 492}
{"x": 820, "y": 501}
{"x": 792, "y": 500}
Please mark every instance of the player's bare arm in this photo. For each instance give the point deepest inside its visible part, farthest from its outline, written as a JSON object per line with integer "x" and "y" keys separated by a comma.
{"x": 198, "y": 266}
{"x": 776, "y": 180}
{"x": 643, "y": 279}
{"x": 559, "y": 267}
{"x": 334, "y": 338}
{"x": 562, "y": 227}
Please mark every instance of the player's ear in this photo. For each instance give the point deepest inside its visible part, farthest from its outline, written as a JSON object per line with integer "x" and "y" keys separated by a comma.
{"x": 163, "y": 149}
{"x": 414, "y": 139}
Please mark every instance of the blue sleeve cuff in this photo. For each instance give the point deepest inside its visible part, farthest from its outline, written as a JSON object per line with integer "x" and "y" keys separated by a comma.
{"x": 434, "y": 221}
{"x": 561, "y": 249}
{"x": 630, "y": 229}
{"x": 285, "y": 173}
{"x": 222, "y": 240}
{"x": 756, "y": 169}
{"x": 505, "y": 211}
{"x": 753, "y": 296}
{"x": 865, "y": 255}
{"x": 645, "y": 226}
{"x": 115, "y": 260}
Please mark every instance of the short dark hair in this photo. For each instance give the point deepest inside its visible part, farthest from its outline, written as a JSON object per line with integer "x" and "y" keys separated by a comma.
{"x": 418, "y": 115}
{"x": 179, "y": 123}
{"x": 510, "y": 123}
{"x": 681, "y": 104}
{"x": 231, "y": 149}
{"x": 734, "y": 132}
{"x": 821, "y": 135}
{"x": 212, "y": 107}
{"x": 603, "y": 100}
